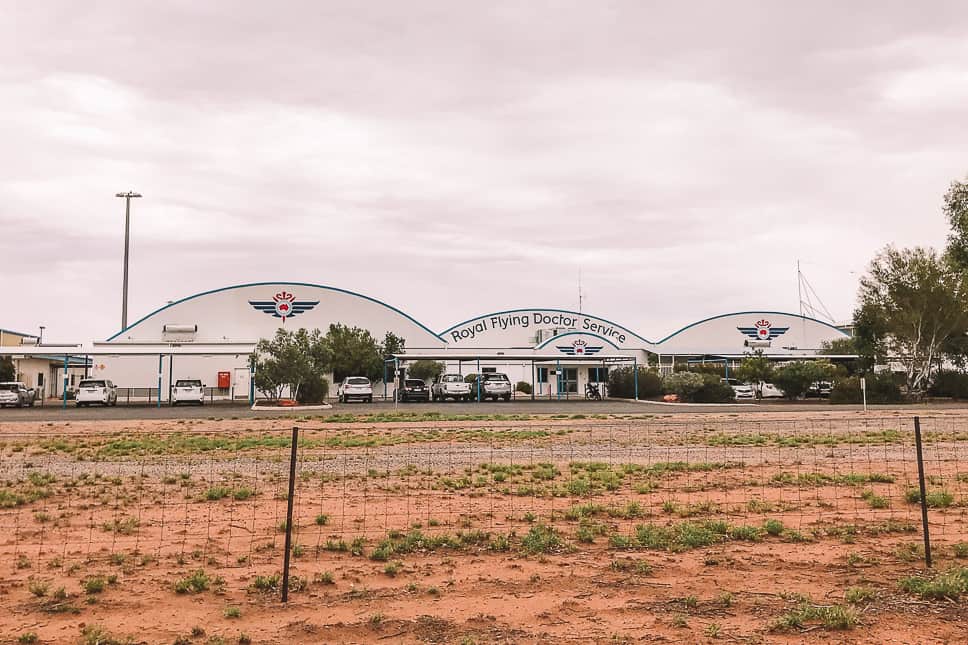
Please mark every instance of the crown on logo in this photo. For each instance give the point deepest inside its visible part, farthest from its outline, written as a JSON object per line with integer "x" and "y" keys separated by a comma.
{"x": 283, "y": 295}
{"x": 579, "y": 343}
{"x": 763, "y": 323}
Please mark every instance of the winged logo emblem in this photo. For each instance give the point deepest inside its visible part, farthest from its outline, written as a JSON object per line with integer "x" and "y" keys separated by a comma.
{"x": 763, "y": 330}
{"x": 579, "y": 348}
{"x": 283, "y": 305}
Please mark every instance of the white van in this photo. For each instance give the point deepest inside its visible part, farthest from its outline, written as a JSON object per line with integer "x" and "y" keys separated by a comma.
{"x": 96, "y": 391}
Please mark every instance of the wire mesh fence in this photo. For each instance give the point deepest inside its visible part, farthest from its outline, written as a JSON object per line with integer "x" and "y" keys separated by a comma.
{"x": 221, "y": 497}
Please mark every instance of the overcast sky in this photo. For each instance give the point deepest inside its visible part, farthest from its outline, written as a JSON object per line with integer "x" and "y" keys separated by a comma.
{"x": 458, "y": 158}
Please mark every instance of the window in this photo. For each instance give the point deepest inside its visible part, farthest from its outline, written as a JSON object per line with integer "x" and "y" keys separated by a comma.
{"x": 542, "y": 375}
{"x": 597, "y": 374}
{"x": 568, "y": 381}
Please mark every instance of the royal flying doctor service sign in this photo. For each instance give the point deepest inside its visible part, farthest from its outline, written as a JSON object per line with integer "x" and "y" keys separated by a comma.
{"x": 520, "y": 329}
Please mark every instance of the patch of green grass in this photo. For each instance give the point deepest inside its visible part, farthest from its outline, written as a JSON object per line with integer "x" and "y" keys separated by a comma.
{"x": 267, "y": 583}
{"x": 542, "y": 539}
{"x": 121, "y": 526}
{"x": 197, "y": 582}
{"x": 325, "y": 578}
{"x": 960, "y": 549}
{"x": 322, "y": 519}
{"x": 27, "y": 638}
{"x": 829, "y": 616}
{"x": 97, "y": 635}
{"x": 94, "y": 585}
{"x": 934, "y": 499}
{"x": 875, "y": 501}
{"x": 232, "y": 612}
{"x": 39, "y": 588}
{"x": 773, "y": 527}
{"x": 945, "y": 585}
{"x": 859, "y": 595}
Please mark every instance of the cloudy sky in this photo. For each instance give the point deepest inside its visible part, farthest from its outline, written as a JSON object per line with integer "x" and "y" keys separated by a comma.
{"x": 457, "y": 158}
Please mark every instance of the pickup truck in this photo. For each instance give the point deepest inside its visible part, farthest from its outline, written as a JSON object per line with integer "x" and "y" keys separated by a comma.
{"x": 450, "y": 386}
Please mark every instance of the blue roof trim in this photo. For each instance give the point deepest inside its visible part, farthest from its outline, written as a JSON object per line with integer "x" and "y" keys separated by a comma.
{"x": 563, "y": 311}
{"x": 578, "y": 333}
{"x": 743, "y": 313}
{"x": 263, "y": 284}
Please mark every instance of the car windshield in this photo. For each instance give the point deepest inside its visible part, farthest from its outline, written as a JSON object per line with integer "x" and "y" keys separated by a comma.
{"x": 453, "y": 378}
{"x": 186, "y": 383}
{"x": 358, "y": 380}
{"x": 495, "y": 377}
{"x": 414, "y": 382}
{"x": 91, "y": 384}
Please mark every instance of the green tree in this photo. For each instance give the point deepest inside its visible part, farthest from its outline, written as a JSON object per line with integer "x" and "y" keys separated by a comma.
{"x": 425, "y": 370}
{"x": 956, "y": 210}
{"x": 796, "y": 377}
{"x": 755, "y": 368}
{"x": 352, "y": 351}
{"x": 7, "y": 370}
{"x": 287, "y": 362}
{"x": 845, "y": 347}
{"x": 913, "y": 309}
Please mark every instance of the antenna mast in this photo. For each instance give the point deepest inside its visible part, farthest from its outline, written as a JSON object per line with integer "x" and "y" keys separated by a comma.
{"x": 580, "y": 297}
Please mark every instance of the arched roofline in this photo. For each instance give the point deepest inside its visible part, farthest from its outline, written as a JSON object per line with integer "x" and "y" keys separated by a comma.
{"x": 578, "y": 333}
{"x": 562, "y": 311}
{"x": 264, "y": 284}
{"x": 742, "y": 313}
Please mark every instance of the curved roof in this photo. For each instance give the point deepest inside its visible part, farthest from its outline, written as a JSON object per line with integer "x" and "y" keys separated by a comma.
{"x": 280, "y": 283}
{"x": 746, "y": 313}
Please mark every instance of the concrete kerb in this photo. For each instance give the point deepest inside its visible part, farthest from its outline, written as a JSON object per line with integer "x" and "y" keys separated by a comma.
{"x": 289, "y": 408}
{"x": 689, "y": 405}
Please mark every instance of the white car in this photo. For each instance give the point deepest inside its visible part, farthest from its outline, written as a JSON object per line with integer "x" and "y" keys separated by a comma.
{"x": 740, "y": 390}
{"x": 450, "y": 386}
{"x": 770, "y": 391}
{"x": 188, "y": 391}
{"x": 96, "y": 391}
{"x": 355, "y": 387}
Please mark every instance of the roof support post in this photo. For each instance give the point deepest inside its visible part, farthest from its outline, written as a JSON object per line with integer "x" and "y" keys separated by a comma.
{"x": 532, "y": 379}
{"x": 160, "y": 358}
{"x": 558, "y": 377}
{"x": 635, "y": 375}
{"x": 478, "y": 381}
{"x": 64, "y": 393}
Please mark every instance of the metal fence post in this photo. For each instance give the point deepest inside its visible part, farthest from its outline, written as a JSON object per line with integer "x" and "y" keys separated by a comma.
{"x": 292, "y": 490}
{"x": 924, "y": 495}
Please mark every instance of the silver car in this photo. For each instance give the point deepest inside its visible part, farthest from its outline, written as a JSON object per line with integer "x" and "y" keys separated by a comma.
{"x": 491, "y": 385}
{"x": 16, "y": 394}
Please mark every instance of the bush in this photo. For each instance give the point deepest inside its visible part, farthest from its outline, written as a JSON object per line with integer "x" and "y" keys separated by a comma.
{"x": 684, "y": 384}
{"x": 695, "y": 387}
{"x": 881, "y": 388}
{"x": 523, "y": 386}
{"x": 796, "y": 377}
{"x": 621, "y": 383}
{"x": 950, "y": 384}
{"x": 425, "y": 370}
{"x": 313, "y": 391}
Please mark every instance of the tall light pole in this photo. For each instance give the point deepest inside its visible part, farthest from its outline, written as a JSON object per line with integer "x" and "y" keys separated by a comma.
{"x": 127, "y": 224}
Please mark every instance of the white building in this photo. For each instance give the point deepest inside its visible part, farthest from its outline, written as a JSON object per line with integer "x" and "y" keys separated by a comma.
{"x": 212, "y": 333}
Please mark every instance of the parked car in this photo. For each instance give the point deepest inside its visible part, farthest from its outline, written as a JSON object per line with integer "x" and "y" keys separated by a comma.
{"x": 740, "y": 390}
{"x": 450, "y": 386}
{"x": 491, "y": 385}
{"x": 820, "y": 389}
{"x": 188, "y": 391}
{"x": 96, "y": 391}
{"x": 770, "y": 391}
{"x": 414, "y": 390}
{"x": 16, "y": 394}
{"x": 355, "y": 387}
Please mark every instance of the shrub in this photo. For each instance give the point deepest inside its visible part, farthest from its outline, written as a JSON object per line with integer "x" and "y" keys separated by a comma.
{"x": 950, "y": 384}
{"x": 425, "y": 370}
{"x": 523, "y": 386}
{"x": 796, "y": 377}
{"x": 697, "y": 387}
{"x": 714, "y": 391}
{"x": 621, "y": 383}
{"x": 313, "y": 391}
{"x": 881, "y": 388}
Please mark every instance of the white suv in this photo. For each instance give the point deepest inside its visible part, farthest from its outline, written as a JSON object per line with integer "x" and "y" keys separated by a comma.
{"x": 96, "y": 391}
{"x": 355, "y": 387}
{"x": 450, "y": 386}
{"x": 188, "y": 391}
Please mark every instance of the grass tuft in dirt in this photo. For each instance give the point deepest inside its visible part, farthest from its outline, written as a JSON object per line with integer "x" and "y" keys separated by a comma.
{"x": 946, "y": 585}
{"x": 806, "y": 614}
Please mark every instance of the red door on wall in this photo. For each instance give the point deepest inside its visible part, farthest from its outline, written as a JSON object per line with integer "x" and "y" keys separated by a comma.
{"x": 224, "y": 380}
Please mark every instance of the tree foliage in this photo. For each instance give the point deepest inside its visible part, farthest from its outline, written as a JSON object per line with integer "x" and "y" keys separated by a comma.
{"x": 755, "y": 368}
{"x": 287, "y": 361}
{"x": 7, "y": 370}
{"x": 913, "y": 309}
{"x": 425, "y": 370}
{"x": 621, "y": 382}
{"x": 956, "y": 210}
{"x": 796, "y": 377}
